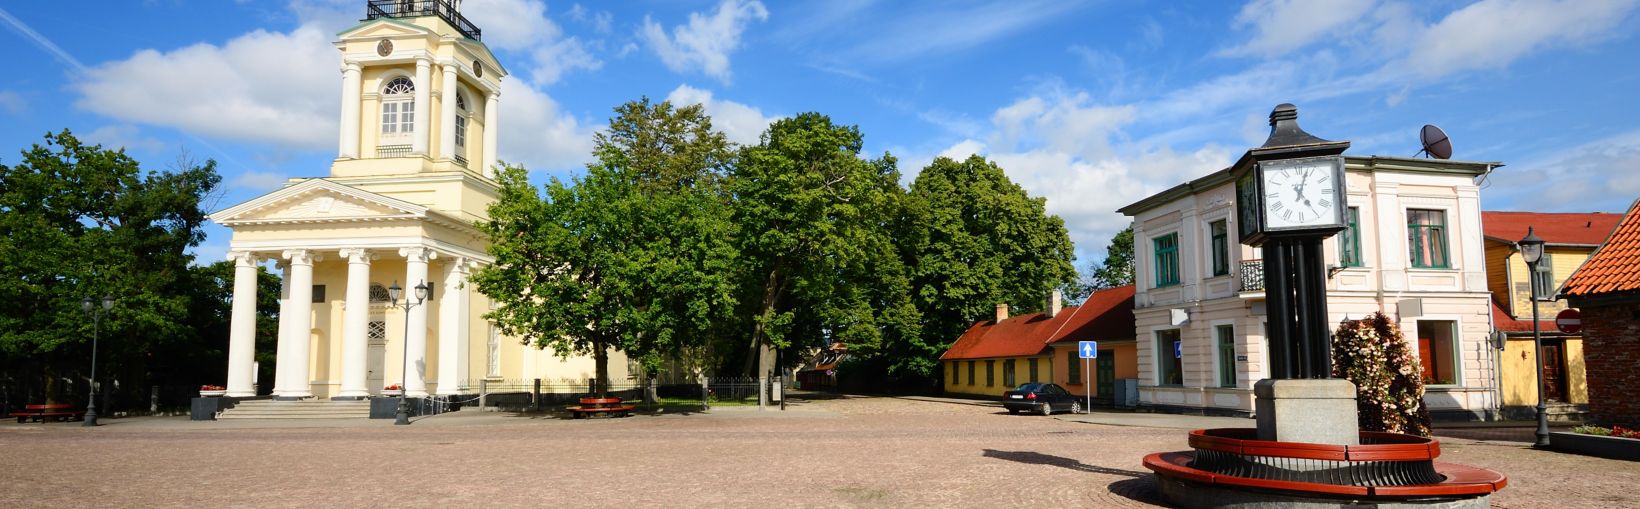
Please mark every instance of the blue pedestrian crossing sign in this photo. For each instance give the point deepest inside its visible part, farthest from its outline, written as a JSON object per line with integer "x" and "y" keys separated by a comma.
{"x": 1088, "y": 349}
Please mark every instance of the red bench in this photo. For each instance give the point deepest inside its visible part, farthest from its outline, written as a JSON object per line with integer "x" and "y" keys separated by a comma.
{"x": 39, "y": 413}
{"x": 595, "y": 406}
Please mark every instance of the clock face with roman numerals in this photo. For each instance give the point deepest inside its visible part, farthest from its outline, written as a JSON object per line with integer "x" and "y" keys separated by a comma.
{"x": 1300, "y": 193}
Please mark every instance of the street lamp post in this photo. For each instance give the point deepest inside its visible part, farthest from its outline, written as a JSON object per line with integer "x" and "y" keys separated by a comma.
{"x": 423, "y": 292}
{"x": 90, "y": 308}
{"x": 1531, "y": 250}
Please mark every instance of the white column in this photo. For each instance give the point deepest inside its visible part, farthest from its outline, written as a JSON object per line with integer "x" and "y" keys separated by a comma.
{"x": 447, "y": 114}
{"x": 424, "y": 95}
{"x": 415, "y": 334}
{"x": 350, "y": 112}
{"x": 492, "y": 105}
{"x": 296, "y": 359}
{"x": 242, "y": 332}
{"x": 281, "y": 369}
{"x": 355, "y": 324}
{"x": 453, "y": 328}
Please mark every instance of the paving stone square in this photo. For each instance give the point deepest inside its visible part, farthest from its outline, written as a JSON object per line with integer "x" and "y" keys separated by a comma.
{"x": 846, "y": 452}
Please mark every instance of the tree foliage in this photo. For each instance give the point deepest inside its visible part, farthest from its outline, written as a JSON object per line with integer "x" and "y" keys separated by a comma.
{"x": 974, "y": 239}
{"x": 1117, "y": 268}
{"x": 79, "y": 221}
{"x": 632, "y": 256}
{"x": 1372, "y": 354}
{"x": 815, "y": 239}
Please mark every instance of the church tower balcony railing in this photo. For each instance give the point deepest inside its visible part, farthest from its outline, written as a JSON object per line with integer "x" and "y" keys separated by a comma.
{"x": 445, "y": 9}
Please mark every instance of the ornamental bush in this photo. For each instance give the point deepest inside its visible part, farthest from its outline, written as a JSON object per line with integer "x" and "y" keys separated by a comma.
{"x": 1372, "y": 354}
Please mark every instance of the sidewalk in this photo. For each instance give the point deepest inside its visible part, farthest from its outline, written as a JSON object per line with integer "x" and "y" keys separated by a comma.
{"x": 1156, "y": 420}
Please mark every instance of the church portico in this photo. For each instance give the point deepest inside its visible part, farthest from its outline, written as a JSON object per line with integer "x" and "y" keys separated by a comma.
{"x": 400, "y": 205}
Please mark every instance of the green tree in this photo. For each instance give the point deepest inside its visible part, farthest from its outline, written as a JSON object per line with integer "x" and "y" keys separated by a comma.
{"x": 1117, "y": 268}
{"x": 81, "y": 221}
{"x": 816, "y": 240}
{"x": 975, "y": 239}
{"x": 635, "y": 255}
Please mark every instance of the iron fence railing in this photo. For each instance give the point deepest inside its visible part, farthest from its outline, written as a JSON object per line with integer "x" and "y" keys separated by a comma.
{"x": 444, "y": 9}
{"x": 1251, "y": 273}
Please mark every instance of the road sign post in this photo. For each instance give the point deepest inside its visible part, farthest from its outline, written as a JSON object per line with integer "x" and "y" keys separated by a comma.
{"x": 1569, "y": 321}
{"x": 1087, "y": 350}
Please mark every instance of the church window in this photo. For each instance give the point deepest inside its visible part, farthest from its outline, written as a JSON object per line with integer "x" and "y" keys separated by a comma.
{"x": 461, "y": 119}
{"x": 398, "y": 108}
{"x": 378, "y": 293}
{"x": 492, "y": 364}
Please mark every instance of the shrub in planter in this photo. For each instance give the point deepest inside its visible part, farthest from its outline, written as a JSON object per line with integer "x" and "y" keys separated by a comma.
{"x": 1372, "y": 354}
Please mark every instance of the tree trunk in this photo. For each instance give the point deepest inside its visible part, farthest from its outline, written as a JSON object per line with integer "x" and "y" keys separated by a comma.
{"x": 765, "y": 311}
{"x": 600, "y": 360}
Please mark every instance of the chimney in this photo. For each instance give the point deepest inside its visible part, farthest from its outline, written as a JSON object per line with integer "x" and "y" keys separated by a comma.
{"x": 1054, "y": 299}
{"x": 1002, "y": 312}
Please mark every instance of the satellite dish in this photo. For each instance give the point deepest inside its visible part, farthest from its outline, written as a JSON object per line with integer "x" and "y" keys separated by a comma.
{"x": 1436, "y": 144}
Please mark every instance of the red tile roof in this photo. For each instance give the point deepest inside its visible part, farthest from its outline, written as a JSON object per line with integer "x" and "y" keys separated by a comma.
{"x": 1105, "y": 315}
{"x": 1502, "y": 321}
{"x": 1615, "y": 267}
{"x": 1580, "y": 228}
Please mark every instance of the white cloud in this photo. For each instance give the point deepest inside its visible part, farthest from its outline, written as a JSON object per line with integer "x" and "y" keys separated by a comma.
{"x": 257, "y": 181}
{"x": 537, "y": 133}
{"x": 1063, "y": 146}
{"x": 269, "y": 87}
{"x": 1494, "y": 33}
{"x": 523, "y": 26}
{"x": 12, "y": 102}
{"x": 706, "y": 42}
{"x": 123, "y": 136}
{"x": 1281, "y": 26}
{"x": 1603, "y": 175}
{"x": 741, "y": 123}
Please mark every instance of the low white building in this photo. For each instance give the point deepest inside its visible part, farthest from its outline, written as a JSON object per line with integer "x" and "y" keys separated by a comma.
{"x": 1413, "y": 250}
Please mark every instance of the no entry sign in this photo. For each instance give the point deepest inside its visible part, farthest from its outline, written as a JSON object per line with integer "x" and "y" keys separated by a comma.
{"x": 1569, "y": 321}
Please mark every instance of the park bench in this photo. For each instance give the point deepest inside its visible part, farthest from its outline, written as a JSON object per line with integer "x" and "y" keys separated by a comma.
{"x": 595, "y": 406}
{"x": 39, "y": 413}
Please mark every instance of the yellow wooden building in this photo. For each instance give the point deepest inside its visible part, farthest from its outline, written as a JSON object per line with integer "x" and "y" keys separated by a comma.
{"x": 1569, "y": 240}
{"x": 997, "y": 355}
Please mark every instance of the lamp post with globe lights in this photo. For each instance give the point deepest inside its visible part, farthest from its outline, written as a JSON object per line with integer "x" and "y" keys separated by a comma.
{"x": 90, "y": 307}
{"x": 1531, "y": 250}
{"x": 424, "y": 291}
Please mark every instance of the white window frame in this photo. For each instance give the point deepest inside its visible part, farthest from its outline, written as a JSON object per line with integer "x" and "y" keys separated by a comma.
{"x": 492, "y": 359}
{"x": 461, "y": 118}
{"x": 398, "y": 130}
{"x": 1155, "y": 337}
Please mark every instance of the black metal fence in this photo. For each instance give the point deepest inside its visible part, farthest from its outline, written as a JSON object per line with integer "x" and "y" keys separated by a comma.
{"x": 444, "y": 9}
{"x": 1251, "y": 273}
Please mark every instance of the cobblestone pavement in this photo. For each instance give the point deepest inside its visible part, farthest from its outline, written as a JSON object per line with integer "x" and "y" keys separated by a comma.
{"x": 850, "y": 452}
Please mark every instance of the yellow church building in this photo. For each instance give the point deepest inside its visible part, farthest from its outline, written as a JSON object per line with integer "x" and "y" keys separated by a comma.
{"x": 413, "y": 174}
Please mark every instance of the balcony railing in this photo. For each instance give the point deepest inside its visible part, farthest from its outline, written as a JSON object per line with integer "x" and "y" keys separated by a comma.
{"x": 386, "y": 151}
{"x": 1251, "y": 273}
{"x": 444, "y": 9}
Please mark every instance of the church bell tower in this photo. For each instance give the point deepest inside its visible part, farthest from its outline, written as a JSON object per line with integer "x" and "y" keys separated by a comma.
{"x": 420, "y": 93}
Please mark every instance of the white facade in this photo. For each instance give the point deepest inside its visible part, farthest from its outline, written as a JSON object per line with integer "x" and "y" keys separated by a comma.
{"x": 1216, "y": 313}
{"x": 399, "y": 205}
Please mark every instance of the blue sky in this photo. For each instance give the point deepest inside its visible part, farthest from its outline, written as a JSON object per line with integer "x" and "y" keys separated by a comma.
{"x": 1090, "y": 104}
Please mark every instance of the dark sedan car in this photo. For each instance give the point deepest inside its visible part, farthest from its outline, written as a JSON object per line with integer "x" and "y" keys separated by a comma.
{"x": 1041, "y": 398}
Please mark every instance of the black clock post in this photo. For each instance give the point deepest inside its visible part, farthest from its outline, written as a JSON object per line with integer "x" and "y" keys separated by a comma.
{"x": 1290, "y": 197}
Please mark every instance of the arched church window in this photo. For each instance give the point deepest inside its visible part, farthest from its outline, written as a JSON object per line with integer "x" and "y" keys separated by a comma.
{"x": 398, "y": 109}
{"x": 461, "y": 119}
{"x": 378, "y": 293}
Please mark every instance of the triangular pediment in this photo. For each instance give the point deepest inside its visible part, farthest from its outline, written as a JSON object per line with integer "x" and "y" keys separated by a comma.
{"x": 386, "y": 27}
{"x": 318, "y": 200}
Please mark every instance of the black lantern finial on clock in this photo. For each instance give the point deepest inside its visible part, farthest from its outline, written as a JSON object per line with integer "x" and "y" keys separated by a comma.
{"x": 1289, "y": 197}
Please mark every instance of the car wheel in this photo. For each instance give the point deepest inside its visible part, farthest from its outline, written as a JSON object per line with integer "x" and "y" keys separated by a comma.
{"x": 1076, "y": 407}
{"x": 1047, "y": 408}
{"x": 1013, "y": 411}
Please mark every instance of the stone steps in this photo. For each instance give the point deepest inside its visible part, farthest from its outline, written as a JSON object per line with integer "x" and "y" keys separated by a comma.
{"x": 305, "y": 409}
